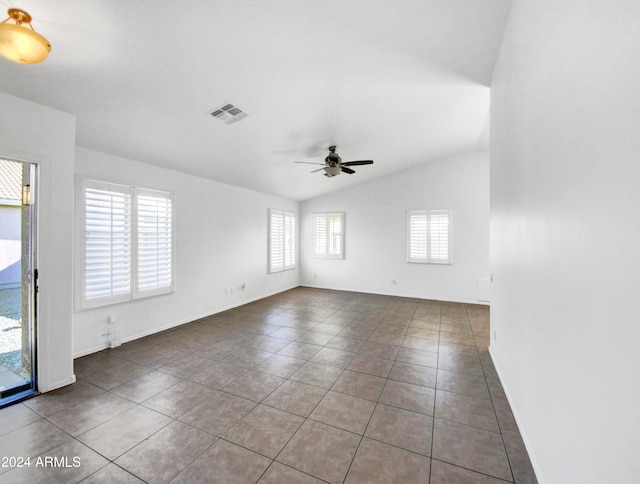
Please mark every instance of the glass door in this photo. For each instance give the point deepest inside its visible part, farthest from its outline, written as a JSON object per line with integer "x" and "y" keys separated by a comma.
{"x": 17, "y": 280}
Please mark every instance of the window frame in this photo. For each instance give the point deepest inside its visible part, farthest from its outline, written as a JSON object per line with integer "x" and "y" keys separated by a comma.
{"x": 286, "y": 245}
{"x": 327, "y": 235}
{"x": 429, "y": 259}
{"x": 133, "y": 293}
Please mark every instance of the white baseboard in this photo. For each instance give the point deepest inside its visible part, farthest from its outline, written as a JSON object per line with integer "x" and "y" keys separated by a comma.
{"x": 412, "y": 296}
{"x": 527, "y": 445}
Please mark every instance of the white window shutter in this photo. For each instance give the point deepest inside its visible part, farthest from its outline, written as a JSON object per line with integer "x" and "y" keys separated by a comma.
{"x": 154, "y": 258}
{"x": 320, "y": 234}
{"x": 335, "y": 235}
{"x": 276, "y": 240}
{"x": 439, "y": 236}
{"x": 328, "y": 235}
{"x": 417, "y": 235}
{"x": 428, "y": 236}
{"x": 289, "y": 240}
{"x": 107, "y": 243}
{"x": 282, "y": 240}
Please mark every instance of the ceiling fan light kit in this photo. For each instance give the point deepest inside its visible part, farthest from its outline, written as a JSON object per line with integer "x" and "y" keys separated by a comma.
{"x": 19, "y": 42}
{"x": 332, "y": 171}
{"x": 333, "y": 164}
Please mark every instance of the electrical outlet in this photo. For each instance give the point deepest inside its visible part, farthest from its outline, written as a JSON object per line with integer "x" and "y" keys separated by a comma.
{"x": 393, "y": 282}
{"x": 495, "y": 335}
{"x": 315, "y": 276}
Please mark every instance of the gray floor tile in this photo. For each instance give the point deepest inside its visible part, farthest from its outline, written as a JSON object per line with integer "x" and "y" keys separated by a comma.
{"x": 52, "y": 402}
{"x": 281, "y": 474}
{"x": 165, "y": 454}
{"x": 179, "y": 399}
{"x": 254, "y": 385}
{"x": 316, "y": 374}
{"x": 295, "y": 397}
{"x": 31, "y": 440}
{"x": 402, "y": 428}
{"x": 16, "y": 416}
{"x": 90, "y": 413}
{"x": 218, "y": 413}
{"x": 122, "y": 433}
{"x": 411, "y": 397}
{"x": 315, "y": 445}
{"x": 377, "y": 462}
{"x": 344, "y": 411}
{"x": 359, "y": 385}
{"x": 265, "y": 430}
{"x": 471, "y": 448}
{"x": 111, "y": 474}
{"x": 443, "y": 473}
{"x": 468, "y": 410}
{"x": 146, "y": 386}
{"x": 227, "y": 462}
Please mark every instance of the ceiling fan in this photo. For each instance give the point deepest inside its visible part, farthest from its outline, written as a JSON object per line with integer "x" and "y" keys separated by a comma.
{"x": 333, "y": 164}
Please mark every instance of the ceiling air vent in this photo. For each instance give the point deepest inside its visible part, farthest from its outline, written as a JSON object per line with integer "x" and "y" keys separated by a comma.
{"x": 228, "y": 113}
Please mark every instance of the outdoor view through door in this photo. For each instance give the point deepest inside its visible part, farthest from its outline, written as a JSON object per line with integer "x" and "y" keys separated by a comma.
{"x": 17, "y": 301}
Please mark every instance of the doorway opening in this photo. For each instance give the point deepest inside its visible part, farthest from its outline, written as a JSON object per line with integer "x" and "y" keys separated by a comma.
{"x": 18, "y": 283}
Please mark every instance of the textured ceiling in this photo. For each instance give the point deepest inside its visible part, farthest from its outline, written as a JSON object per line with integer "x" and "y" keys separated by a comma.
{"x": 402, "y": 83}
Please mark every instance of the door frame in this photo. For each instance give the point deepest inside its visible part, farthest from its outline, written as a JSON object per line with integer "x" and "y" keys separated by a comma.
{"x": 21, "y": 392}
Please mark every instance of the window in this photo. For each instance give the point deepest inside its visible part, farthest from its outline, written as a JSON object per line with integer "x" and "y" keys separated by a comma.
{"x": 282, "y": 240}
{"x": 126, "y": 243}
{"x": 328, "y": 235}
{"x": 154, "y": 258}
{"x": 429, "y": 236}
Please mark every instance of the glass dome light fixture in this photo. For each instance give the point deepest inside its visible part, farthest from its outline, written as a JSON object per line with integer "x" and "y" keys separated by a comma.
{"x": 19, "y": 42}
{"x": 332, "y": 170}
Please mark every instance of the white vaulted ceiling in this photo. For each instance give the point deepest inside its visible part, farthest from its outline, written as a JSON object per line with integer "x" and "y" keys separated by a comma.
{"x": 402, "y": 82}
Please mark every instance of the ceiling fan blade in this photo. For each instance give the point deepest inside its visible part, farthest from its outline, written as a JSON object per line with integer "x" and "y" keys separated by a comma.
{"x": 316, "y": 171}
{"x": 354, "y": 163}
{"x": 310, "y": 163}
{"x": 347, "y": 170}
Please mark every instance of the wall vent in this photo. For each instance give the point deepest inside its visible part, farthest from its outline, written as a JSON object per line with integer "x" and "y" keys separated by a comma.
{"x": 228, "y": 113}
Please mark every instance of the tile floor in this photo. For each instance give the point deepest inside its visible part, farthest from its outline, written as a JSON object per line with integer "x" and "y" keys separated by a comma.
{"x": 307, "y": 386}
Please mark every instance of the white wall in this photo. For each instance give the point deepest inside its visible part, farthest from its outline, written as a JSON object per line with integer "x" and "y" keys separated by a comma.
{"x": 565, "y": 172}
{"x": 376, "y": 232}
{"x": 30, "y": 132}
{"x": 10, "y": 253}
{"x": 221, "y": 242}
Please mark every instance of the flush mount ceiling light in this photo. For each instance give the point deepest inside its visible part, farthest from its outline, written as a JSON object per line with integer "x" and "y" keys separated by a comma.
{"x": 20, "y": 43}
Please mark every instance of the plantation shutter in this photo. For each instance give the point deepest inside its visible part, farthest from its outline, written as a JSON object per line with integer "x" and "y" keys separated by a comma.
{"x": 276, "y": 240}
{"x": 289, "y": 240}
{"x": 335, "y": 235}
{"x": 439, "y": 236}
{"x": 429, "y": 236}
{"x": 282, "y": 240}
{"x": 107, "y": 243}
{"x": 320, "y": 235}
{"x": 328, "y": 235}
{"x": 418, "y": 236}
{"x": 154, "y": 242}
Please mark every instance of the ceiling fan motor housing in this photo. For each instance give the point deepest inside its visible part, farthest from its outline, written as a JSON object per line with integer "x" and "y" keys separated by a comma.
{"x": 333, "y": 158}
